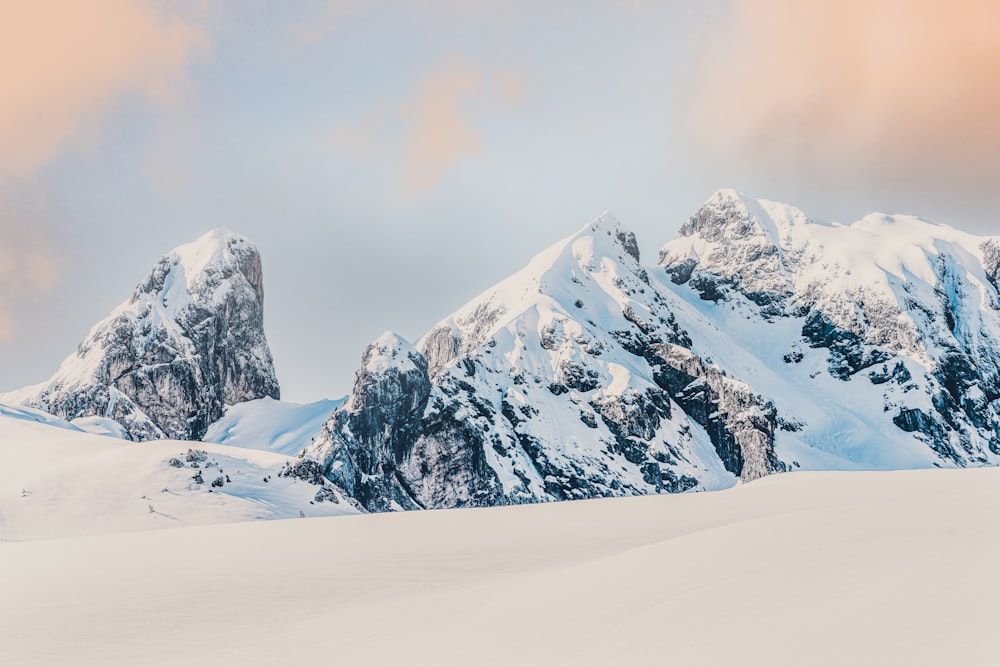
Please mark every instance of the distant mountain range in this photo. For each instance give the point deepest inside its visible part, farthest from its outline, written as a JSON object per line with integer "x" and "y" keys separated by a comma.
{"x": 761, "y": 341}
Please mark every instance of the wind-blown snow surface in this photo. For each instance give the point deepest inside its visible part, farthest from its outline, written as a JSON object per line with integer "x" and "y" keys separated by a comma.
{"x": 59, "y": 482}
{"x": 887, "y": 568}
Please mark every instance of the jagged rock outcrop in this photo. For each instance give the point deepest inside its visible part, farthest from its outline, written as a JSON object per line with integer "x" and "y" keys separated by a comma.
{"x": 165, "y": 363}
{"x": 740, "y": 423}
{"x": 399, "y": 443}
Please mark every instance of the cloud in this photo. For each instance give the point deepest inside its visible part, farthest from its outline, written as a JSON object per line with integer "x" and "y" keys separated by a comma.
{"x": 509, "y": 88}
{"x": 889, "y": 92}
{"x": 320, "y": 21}
{"x": 433, "y": 126}
{"x": 441, "y": 134}
{"x": 65, "y": 64}
{"x": 323, "y": 19}
{"x": 361, "y": 140}
{"x": 28, "y": 268}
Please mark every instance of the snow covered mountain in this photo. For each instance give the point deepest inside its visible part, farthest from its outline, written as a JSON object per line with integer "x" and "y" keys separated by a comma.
{"x": 903, "y": 313}
{"x": 571, "y": 379}
{"x": 166, "y": 363}
{"x": 762, "y": 341}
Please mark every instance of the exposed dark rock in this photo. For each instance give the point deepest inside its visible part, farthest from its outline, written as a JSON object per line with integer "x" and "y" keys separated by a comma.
{"x": 305, "y": 469}
{"x": 740, "y": 423}
{"x": 326, "y": 494}
{"x": 386, "y": 449}
{"x": 897, "y": 374}
{"x": 848, "y": 352}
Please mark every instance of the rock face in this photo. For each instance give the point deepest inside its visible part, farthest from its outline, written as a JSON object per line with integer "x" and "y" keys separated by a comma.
{"x": 762, "y": 341}
{"x": 165, "y": 363}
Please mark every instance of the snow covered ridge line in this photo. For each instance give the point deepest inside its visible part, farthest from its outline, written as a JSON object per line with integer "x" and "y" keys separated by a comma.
{"x": 166, "y": 362}
{"x": 762, "y": 341}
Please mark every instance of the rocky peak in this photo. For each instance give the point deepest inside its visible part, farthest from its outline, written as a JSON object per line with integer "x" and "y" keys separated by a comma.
{"x": 602, "y": 251}
{"x": 188, "y": 342}
{"x": 608, "y": 225}
{"x": 201, "y": 268}
{"x": 392, "y": 381}
{"x": 734, "y": 242}
{"x": 723, "y": 214}
{"x": 546, "y": 386}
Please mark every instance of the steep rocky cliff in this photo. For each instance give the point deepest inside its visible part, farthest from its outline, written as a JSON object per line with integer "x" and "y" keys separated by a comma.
{"x": 165, "y": 363}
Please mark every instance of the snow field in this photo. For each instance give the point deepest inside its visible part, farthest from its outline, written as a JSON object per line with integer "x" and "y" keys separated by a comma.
{"x": 862, "y": 568}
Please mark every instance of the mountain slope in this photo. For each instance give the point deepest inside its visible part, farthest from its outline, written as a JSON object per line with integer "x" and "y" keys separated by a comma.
{"x": 270, "y": 425}
{"x": 165, "y": 363}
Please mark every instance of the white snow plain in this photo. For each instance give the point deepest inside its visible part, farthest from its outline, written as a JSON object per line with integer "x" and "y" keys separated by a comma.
{"x": 817, "y": 568}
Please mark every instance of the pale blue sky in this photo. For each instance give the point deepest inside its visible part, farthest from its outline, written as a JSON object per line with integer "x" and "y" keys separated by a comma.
{"x": 300, "y": 125}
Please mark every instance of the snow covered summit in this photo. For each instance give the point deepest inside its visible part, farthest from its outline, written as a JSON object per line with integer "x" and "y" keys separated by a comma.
{"x": 165, "y": 363}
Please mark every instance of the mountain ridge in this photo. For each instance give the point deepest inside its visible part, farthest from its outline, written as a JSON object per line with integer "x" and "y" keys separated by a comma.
{"x": 733, "y": 350}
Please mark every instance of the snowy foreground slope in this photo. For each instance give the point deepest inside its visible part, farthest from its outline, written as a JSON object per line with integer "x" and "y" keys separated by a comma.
{"x": 835, "y": 568}
{"x": 60, "y": 482}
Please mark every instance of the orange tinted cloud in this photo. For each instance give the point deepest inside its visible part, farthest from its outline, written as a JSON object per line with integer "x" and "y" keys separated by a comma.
{"x": 322, "y": 20}
{"x": 27, "y": 268}
{"x": 509, "y": 88}
{"x": 434, "y": 127}
{"x": 440, "y": 134}
{"x": 64, "y": 64}
{"x": 361, "y": 140}
{"x": 890, "y": 91}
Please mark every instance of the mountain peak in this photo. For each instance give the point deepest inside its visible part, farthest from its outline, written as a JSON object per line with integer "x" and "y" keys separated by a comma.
{"x": 200, "y": 267}
{"x": 605, "y": 221}
{"x": 388, "y": 350}
{"x": 188, "y": 342}
{"x": 606, "y": 224}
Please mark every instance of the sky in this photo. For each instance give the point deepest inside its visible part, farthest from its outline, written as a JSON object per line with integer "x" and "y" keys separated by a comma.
{"x": 391, "y": 159}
